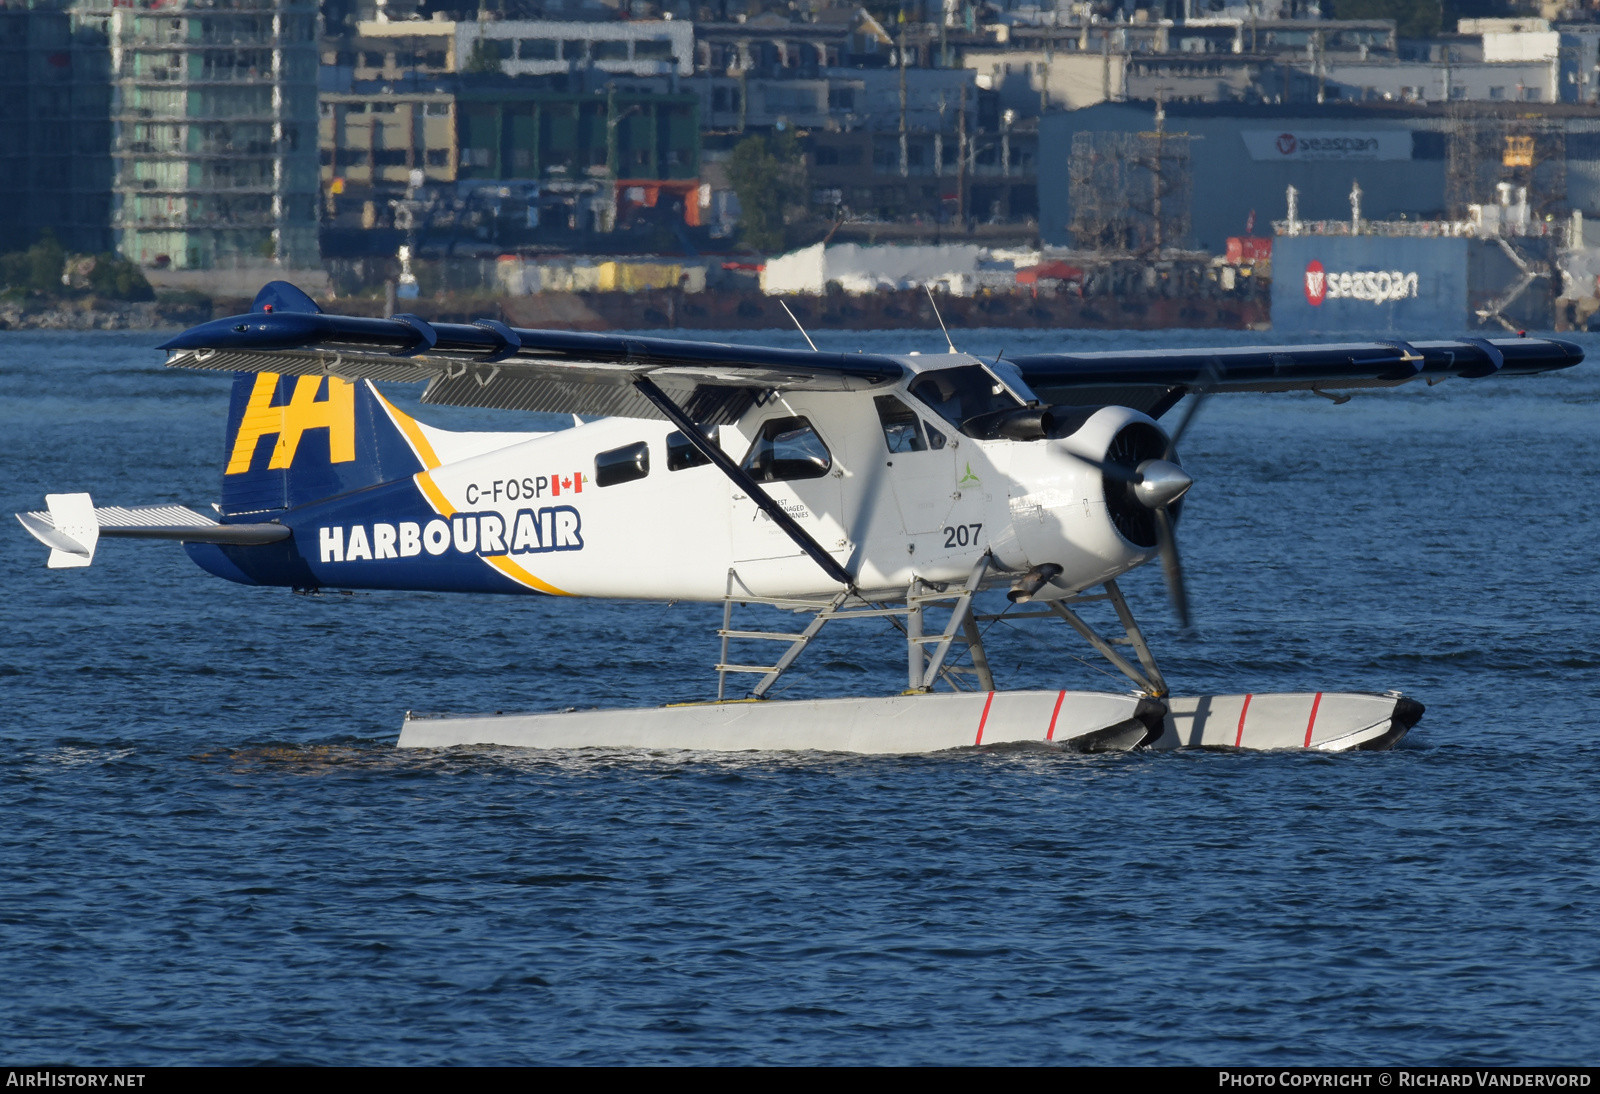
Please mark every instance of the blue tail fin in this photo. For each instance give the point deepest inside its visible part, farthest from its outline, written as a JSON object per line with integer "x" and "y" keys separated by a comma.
{"x": 298, "y": 439}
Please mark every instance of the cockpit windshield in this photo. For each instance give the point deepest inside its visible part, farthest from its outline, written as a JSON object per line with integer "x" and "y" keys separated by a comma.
{"x": 961, "y": 395}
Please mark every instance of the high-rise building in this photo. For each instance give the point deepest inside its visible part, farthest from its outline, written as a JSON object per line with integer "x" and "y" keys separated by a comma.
{"x": 213, "y": 111}
{"x": 55, "y": 130}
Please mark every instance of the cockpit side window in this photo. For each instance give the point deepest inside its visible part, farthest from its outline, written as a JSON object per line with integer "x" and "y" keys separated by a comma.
{"x": 961, "y": 395}
{"x": 902, "y": 429}
{"x": 787, "y": 449}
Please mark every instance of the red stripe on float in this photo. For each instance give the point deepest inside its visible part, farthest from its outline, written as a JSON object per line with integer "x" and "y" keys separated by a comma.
{"x": 1239, "y": 739}
{"x": 984, "y": 719}
{"x": 1051, "y": 735}
{"x": 1315, "y": 703}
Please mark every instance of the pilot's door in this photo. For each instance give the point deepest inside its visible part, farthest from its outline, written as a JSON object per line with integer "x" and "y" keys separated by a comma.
{"x": 790, "y": 460}
{"x": 921, "y": 466}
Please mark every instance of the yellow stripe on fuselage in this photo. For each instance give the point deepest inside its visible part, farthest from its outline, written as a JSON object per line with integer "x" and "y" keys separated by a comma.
{"x": 441, "y": 505}
{"x": 513, "y": 570}
{"x": 413, "y": 432}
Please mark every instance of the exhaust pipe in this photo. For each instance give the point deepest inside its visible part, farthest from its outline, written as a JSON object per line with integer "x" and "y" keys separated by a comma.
{"x": 1032, "y": 581}
{"x": 1029, "y": 423}
{"x": 1037, "y": 423}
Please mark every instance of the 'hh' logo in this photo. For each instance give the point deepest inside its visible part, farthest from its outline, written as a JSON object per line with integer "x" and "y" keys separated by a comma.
{"x": 336, "y": 413}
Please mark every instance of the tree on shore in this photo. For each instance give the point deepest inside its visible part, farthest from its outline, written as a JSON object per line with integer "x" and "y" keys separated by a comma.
{"x": 115, "y": 278}
{"x": 768, "y": 174}
{"x": 46, "y": 269}
{"x": 38, "y": 269}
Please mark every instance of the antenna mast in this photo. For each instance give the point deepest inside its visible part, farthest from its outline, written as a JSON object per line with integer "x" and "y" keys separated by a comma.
{"x": 940, "y": 318}
{"x": 801, "y": 329}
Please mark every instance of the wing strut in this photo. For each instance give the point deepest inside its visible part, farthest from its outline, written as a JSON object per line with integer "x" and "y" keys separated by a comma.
{"x": 713, "y": 452}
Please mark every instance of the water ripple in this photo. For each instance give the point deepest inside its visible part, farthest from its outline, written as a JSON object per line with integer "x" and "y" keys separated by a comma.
{"x": 214, "y": 854}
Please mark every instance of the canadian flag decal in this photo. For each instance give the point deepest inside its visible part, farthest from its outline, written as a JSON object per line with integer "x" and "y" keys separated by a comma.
{"x": 572, "y": 484}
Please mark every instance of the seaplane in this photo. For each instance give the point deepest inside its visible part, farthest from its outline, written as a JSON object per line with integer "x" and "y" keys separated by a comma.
{"x": 818, "y": 488}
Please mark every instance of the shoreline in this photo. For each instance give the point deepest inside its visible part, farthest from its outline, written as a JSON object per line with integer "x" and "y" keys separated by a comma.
{"x": 670, "y": 309}
{"x": 85, "y": 314}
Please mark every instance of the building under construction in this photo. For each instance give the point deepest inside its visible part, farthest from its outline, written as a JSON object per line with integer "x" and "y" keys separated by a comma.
{"x": 1131, "y": 192}
{"x": 213, "y": 129}
{"x": 1525, "y": 152}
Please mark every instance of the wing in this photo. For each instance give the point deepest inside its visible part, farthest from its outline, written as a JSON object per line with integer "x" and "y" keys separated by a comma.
{"x": 488, "y": 364}
{"x": 1154, "y": 382}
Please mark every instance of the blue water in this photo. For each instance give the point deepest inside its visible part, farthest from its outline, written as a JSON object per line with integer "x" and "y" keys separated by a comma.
{"x": 212, "y": 853}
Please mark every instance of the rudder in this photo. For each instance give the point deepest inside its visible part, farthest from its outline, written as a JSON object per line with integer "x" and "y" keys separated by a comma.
{"x": 298, "y": 439}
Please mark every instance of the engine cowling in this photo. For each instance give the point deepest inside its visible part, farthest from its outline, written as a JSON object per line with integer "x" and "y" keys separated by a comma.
{"x": 1067, "y": 513}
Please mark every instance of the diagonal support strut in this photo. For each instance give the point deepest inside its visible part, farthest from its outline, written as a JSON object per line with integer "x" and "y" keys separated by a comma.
{"x": 713, "y": 452}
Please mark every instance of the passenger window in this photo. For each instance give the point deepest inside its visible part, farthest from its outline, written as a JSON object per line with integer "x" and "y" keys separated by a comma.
{"x": 787, "y": 449}
{"x": 681, "y": 454}
{"x": 631, "y": 461}
{"x": 901, "y": 427}
{"x": 969, "y": 398}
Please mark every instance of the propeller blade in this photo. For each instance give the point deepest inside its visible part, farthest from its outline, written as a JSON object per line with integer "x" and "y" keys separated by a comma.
{"x": 1120, "y": 472}
{"x": 1201, "y": 390}
{"x": 1172, "y": 566}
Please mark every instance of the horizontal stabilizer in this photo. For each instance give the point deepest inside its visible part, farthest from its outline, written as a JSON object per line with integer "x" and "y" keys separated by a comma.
{"x": 73, "y": 525}
{"x": 71, "y": 531}
{"x": 40, "y": 528}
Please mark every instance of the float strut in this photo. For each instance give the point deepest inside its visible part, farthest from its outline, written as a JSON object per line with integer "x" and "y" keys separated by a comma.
{"x": 923, "y": 680}
{"x": 1148, "y": 686}
{"x": 1136, "y": 637}
{"x": 980, "y": 659}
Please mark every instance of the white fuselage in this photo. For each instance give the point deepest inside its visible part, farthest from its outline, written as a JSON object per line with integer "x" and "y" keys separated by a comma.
{"x": 888, "y": 517}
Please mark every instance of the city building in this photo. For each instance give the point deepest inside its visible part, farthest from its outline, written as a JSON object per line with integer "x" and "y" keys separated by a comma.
{"x": 599, "y": 51}
{"x": 1415, "y": 162}
{"x": 1236, "y": 58}
{"x": 368, "y": 140}
{"x": 568, "y": 56}
{"x": 892, "y": 133}
{"x": 213, "y": 130}
{"x": 55, "y": 129}
{"x": 1212, "y": 59}
{"x": 512, "y": 132}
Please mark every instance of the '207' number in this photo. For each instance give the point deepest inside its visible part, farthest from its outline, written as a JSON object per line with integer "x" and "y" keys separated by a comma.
{"x": 961, "y": 535}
